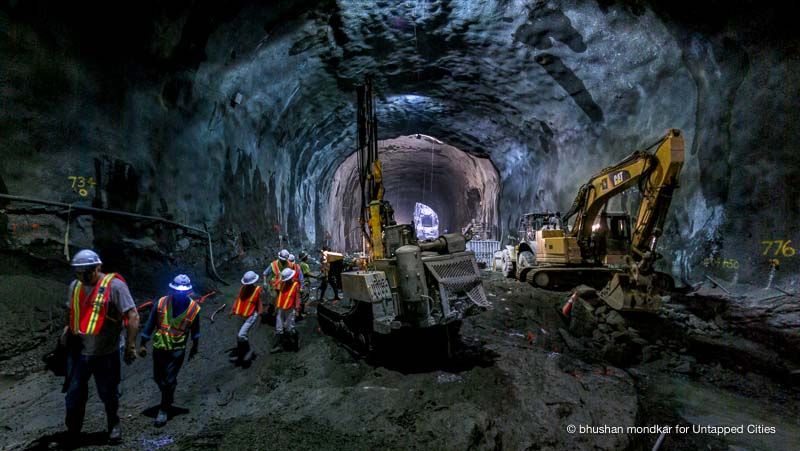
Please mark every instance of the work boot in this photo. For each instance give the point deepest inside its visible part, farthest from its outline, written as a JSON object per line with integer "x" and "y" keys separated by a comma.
{"x": 161, "y": 419}
{"x": 115, "y": 434}
{"x": 278, "y": 346}
{"x": 241, "y": 350}
{"x": 249, "y": 354}
{"x": 294, "y": 340}
{"x": 71, "y": 440}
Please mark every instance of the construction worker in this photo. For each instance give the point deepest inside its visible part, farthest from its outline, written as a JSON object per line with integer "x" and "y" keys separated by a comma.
{"x": 249, "y": 306}
{"x": 171, "y": 321}
{"x": 272, "y": 279}
{"x": 99, "y": 304}
{"x": 305, "y": 270}
{"x": 272, "y": 275}
{"x": 332, "y": 267}
{"x": 287, "y": 303}
{"x": 298, "y": 274}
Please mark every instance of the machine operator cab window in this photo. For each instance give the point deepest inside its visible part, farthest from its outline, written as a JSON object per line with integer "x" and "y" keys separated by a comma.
{"x": 617, "y": 229}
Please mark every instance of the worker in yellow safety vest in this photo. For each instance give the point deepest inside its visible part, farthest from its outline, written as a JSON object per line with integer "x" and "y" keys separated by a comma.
{"x": 248, "y": 305}
{"x": 287, "y": 303}
{"x": 99, "y": 306}
{"x": 172, "y": 320}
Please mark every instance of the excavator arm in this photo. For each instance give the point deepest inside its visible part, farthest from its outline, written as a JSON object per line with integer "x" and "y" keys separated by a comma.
{"x": 656, "y": 174}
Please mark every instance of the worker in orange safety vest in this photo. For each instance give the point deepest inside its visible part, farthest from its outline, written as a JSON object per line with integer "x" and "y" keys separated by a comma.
{"x": 99, "y": 306}
{"x": 248, "y": 305}
{"x": 287, "y": 305}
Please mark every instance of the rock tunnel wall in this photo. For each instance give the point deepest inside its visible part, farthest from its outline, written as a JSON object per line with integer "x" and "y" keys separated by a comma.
{"x": 237, "y": 115}
{"x": 458, "y": 186}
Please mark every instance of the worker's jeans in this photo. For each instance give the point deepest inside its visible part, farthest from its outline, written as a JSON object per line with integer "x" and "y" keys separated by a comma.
{"x": 105, "y": 369}
{"x": 166, "y": 365}
{"x": 284, "y": 319}
{"x": 335, "y": 280}
{"x": 247, "y": 325}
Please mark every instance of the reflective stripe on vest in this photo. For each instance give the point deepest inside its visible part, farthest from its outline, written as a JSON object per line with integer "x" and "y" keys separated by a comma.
{"x": 171, "y": 333}
{"x": 276, "y": 274}
{"x": 87, "y": 314}
{"x": 288, "y": 295}
{"x": 246, "y": 307}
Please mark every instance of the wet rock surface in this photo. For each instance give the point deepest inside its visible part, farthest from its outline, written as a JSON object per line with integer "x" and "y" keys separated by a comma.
{"x": 519, "y": 378}
{"x": 204, "y": 113}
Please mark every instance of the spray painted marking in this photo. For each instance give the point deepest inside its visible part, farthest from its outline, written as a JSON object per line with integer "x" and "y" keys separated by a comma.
{"x": 82, "y": 184}
{"x": 781, "y": 248}
{"x": 721, "y": 262}
{"x": 19, "y": 229}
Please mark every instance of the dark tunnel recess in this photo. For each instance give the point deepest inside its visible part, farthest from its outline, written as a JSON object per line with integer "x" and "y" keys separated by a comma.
{"x": 461, "y": 188}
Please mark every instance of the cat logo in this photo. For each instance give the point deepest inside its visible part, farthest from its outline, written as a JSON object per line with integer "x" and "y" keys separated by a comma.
{"x": 620, "y": 177}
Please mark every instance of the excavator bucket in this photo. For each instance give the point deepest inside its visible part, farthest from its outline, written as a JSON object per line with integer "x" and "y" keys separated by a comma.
{"x": 625, "y": 293}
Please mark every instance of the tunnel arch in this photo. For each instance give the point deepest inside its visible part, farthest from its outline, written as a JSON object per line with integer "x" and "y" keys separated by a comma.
{"x": 459, "y": 186}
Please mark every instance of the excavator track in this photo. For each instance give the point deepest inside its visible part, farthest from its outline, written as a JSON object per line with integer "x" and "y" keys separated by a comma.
{"x": 563, "y": 279}
{"x": 351, "y": 325}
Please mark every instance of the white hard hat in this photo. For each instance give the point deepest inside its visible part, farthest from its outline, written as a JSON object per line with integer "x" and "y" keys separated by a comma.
{"x": 181, "y": 282}
{"x": 250, "y": 277}
{"x": 283, "y": 255}
{"x": 291, "y": 258}
{"x": 84, "y": 258}
{"x": 287, "y": 274}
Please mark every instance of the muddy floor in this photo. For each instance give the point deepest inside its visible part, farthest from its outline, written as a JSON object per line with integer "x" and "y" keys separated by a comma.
{"x": 521, "y": 378}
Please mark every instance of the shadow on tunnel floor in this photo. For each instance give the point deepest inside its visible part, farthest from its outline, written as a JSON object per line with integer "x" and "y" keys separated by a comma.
{"x": 60, "y": 440}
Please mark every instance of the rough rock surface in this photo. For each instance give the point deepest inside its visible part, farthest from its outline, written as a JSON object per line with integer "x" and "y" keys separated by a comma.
{"x": 208, "y": 112}
{"x": 513, "y": 386}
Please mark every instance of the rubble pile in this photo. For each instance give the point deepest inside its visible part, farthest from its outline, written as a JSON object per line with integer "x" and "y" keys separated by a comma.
{"x": 712, "y": 326}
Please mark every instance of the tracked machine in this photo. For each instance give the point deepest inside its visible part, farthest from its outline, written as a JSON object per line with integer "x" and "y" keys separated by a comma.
{"x": 411, "y": 291}
{"x": 601, "y": 248}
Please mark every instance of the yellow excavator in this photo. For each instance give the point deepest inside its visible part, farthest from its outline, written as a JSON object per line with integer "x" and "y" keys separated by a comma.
{"x": 600, "y": 246}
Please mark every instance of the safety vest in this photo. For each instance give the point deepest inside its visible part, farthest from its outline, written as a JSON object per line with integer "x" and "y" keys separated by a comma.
{"x": 87, "y": 314}
{"x": 246, "y": 307}
{"x": 171, "y": 333}
{"x": 276, "y": 274}
{"x": 297, "y": 271}
{"x": 305, "y": 269}
{"x": 287, "y": 297}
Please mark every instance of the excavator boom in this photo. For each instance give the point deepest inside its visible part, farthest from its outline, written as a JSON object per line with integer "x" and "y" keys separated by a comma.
{"x": 639, "y": 286}
{"x": 657, "y": 176}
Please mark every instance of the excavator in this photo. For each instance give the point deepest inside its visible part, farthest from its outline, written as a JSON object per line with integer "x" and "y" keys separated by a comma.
{"x": 411, "y": 291}
{"x": 601, "y": 247}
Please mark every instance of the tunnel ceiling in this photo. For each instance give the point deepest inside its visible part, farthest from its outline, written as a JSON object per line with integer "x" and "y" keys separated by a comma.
{"x": 417, "y": 168}
{"x": 237, "y": 114}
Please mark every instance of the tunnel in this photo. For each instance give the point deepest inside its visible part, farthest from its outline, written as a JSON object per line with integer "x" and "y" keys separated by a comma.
{"x": 202, "y": 138}
{"x": 461, "y": 188}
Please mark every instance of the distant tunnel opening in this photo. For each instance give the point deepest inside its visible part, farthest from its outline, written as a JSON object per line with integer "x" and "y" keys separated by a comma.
{"x": 460, "y": 187}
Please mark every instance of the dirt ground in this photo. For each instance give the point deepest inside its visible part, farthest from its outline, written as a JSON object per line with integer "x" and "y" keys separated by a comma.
{"x": 518, "y": 382}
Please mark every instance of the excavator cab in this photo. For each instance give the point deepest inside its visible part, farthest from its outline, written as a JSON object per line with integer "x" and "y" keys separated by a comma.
{"x": 610, "y": 239}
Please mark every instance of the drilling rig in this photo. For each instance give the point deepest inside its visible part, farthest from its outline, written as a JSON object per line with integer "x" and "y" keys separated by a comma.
{"x": 411, "y": 291}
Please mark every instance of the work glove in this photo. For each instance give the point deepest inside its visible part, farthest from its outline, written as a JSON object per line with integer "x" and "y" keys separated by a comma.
{"x": 130, "y": 354}
{"x": 192, "y": 352}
